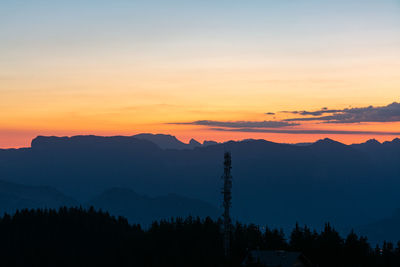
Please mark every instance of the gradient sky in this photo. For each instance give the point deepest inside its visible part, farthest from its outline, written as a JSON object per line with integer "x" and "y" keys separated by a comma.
{"x": 125, "y": 67}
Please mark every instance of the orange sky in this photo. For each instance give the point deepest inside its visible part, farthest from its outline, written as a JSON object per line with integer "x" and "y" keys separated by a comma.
{"x": 71, "y": 68}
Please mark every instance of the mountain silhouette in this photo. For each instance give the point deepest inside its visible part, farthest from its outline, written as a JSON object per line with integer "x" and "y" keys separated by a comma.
{"x": 274, "y": 184}
{"x": 117, "y": 201}
{"x": 15, "y": 196}
{"x": 209, "y": 143}
{"x": 143, "y": 209}
{"x": 165, "y": 141}
{"x": 91, "y": 142}
{"x": 194, "y": 143}
{"x": 328, "y": 143}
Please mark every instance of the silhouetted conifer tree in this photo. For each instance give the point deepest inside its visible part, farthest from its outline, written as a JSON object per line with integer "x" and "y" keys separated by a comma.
{"x": 79, "y": 237}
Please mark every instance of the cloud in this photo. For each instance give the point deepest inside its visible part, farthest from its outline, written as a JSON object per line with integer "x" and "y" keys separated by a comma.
{"x": 313, "y": 113}
{"x": 389, "y": 113}
{"x": 240, "y": 124}
{"x": 295, "y": 131}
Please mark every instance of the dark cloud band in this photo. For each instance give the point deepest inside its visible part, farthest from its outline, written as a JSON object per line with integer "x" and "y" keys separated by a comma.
{"x": 295, "y": 131}
{"x": 389, "y": 113}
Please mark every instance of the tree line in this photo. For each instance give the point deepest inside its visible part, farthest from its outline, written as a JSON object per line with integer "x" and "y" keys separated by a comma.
{"x": 89, "y": 237}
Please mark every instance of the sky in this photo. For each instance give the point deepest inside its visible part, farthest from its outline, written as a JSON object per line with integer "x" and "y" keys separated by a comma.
{"x": 287, "y": 71}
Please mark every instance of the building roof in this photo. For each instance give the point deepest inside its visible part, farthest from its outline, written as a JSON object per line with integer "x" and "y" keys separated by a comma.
{"x": 278, "y": 258}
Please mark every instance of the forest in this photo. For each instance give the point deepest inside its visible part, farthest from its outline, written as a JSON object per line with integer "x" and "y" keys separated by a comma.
{"x": 89, "y": 237}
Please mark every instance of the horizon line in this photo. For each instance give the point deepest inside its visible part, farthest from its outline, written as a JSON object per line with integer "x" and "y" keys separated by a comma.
{"x": 186, "y": 143}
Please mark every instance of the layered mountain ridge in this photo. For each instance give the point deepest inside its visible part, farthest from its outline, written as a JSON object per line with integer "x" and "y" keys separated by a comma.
{"x": 274, "y": 184}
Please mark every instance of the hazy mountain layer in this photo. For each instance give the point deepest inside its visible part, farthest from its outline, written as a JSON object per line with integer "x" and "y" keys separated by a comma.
{"x": 275, "y": 184}
{"x": 142, "y": 209}
{"x": 16, "y": 196}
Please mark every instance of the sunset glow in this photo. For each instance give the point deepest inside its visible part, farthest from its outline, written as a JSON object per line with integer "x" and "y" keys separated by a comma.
{"x": 129, "y": 67}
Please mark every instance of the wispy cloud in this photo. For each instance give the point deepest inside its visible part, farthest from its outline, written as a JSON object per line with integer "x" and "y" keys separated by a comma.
{"x": 313, "y": 113}
{"x": 240, "y": 124}
{"x": 389, "y": 113}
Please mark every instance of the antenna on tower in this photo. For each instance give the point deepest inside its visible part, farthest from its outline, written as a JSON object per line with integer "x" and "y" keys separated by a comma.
{"x": 227, "y": 193}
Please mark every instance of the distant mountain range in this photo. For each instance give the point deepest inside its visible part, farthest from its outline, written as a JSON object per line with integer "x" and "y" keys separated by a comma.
{"x": 15, "y": 196}
{"x": 142, "y": 209}
{"x": 117, "y": 201}
{"x": 171, "y": 142}
{"x": 274, "y": 184}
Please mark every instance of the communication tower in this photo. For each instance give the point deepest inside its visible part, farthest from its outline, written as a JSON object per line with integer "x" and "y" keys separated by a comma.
{"x": 227, "y": 194}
